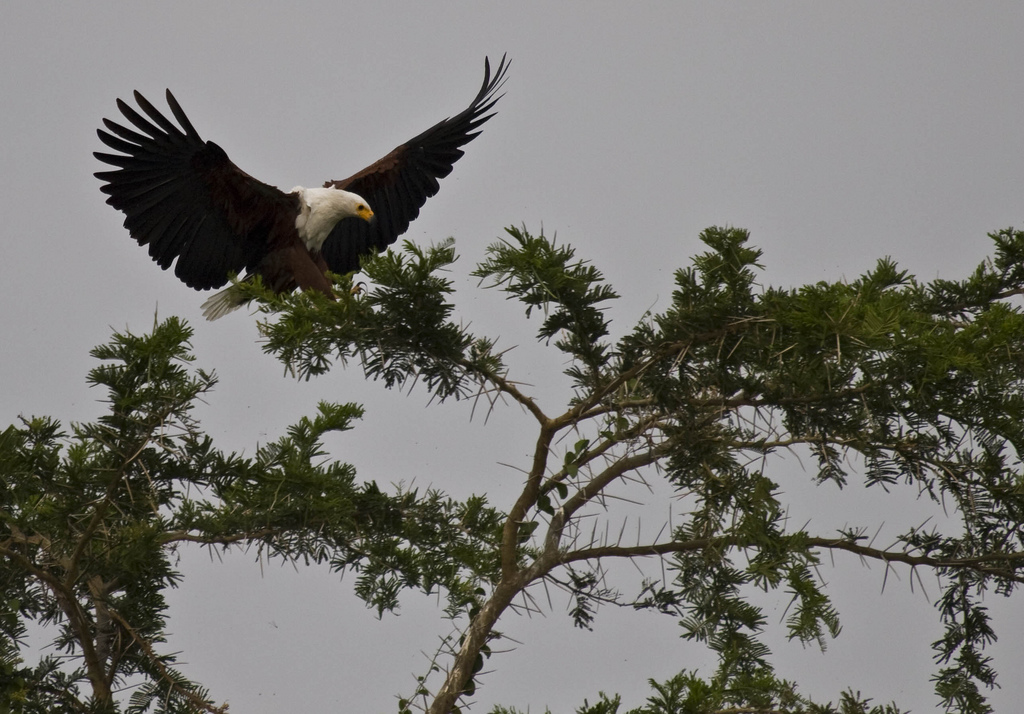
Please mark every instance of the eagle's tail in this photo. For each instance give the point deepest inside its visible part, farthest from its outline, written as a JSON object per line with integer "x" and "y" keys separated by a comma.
{"x": 223, "y": 302}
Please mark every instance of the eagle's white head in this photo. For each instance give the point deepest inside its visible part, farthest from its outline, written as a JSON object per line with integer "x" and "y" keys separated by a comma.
{"x": 320, "y": 209}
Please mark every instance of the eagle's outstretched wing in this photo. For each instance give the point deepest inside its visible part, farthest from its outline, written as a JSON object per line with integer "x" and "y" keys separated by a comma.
{"x": 398, "y": 185}
{"x": 185, "y": 199}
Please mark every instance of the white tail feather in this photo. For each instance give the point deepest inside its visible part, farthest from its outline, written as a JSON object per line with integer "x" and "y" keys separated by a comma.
{"x": 223, "y": 302}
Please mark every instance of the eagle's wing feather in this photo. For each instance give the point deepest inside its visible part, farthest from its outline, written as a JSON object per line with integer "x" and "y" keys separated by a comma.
{"x": 398, "y": 185}
{"x": 185, "y": 199}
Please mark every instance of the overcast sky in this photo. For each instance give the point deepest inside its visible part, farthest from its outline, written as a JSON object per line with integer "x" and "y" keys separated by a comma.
{"x": 835, "y": 133}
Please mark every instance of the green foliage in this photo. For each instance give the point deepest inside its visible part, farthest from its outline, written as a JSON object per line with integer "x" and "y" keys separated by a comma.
{"x": 400, "y": 331}
{"x": 688, "y": 693}
{"x": 885, "y": 381}
{"x": 90, "y": 521}
{"x": 81, "y": 520}
{"x": 541, "y": 274}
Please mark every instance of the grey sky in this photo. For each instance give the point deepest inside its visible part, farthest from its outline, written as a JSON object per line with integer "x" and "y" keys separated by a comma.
{"x": 836, "y": 133}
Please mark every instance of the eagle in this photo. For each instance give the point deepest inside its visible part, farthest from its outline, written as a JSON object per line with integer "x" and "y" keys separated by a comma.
{"x": 188, "y": 202}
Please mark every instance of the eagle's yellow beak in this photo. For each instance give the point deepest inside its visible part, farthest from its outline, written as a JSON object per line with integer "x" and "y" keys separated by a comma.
{"x": 365, "y": 213}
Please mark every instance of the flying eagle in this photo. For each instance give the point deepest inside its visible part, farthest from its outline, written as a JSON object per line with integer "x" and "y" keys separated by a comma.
{"x": 186, "y": 200}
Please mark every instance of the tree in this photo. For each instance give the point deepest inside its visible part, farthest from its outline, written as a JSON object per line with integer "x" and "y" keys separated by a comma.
{"x": 91, "y": 521}
{"x": 884, "y": 380}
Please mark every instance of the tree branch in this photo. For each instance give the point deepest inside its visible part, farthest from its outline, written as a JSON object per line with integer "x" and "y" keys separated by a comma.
{"x": 636, "y": 431}
{"x": 186, "y": 537}
{"x": 507, "y": 387}
{"x": 527, "y": 499}
{"x": 614, "y": 471}
{"x": 658, "y": 354}
{"x": 479, "y": 631}
{"x": 977, "y": 563}
{"x": 154, "y": 659}
{"x": 77, "y": 618}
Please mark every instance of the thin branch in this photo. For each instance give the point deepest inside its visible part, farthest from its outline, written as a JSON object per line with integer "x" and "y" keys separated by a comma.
{"x": 979, "y": 563}
{"x": 186, "y": 537}
{"x": 614, "y": 471}
{"x": 154, "y": 659}
{"x": 637, "y": 430}
{"x": 666, "y": 350}
{"x": 765, "y": 444}
{"x": 506, "y": 386}
{"x": 64, "y": 594}
{"x": 641, "y": 551}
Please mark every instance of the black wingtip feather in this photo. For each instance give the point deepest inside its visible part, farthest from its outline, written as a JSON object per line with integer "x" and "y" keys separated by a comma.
{"x": 179, "y": 114}
{"x": 155, "y": 115}
{"x": 139, "y": 121}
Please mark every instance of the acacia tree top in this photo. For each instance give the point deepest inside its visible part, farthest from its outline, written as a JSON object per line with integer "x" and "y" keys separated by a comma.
{"x": 921, "y": 381}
